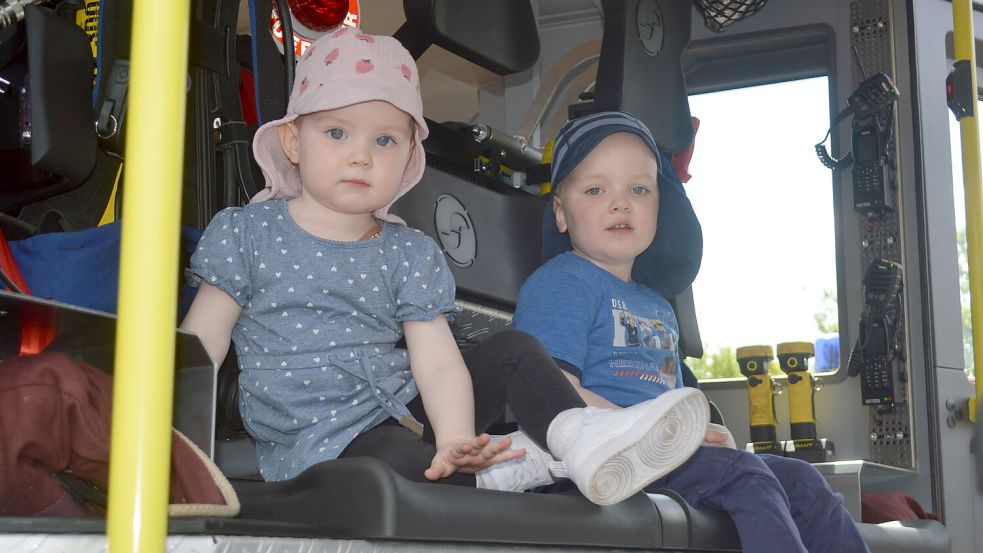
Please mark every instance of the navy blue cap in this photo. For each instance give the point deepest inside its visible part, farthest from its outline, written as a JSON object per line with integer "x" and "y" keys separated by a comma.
{"x": 579, "y": 137}
{"x": 673, "y": 260}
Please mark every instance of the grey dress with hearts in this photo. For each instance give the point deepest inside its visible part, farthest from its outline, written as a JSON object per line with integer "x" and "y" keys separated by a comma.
{"x": 316, "y": 339}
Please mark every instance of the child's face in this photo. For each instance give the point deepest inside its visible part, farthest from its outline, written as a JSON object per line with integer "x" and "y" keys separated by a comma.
{"x": 351, "y": 159}
{"x": 610, "y": 203}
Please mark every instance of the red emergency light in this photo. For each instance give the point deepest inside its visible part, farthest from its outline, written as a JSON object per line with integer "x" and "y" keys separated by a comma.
{"x": 319, "y": 15}
{"x": 311, "y": 18}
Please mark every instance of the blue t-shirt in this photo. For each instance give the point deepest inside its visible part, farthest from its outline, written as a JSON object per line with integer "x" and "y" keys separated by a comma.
{"x": 623, "y": 336}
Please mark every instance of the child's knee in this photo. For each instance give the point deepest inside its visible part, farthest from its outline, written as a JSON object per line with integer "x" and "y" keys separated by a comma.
{"x": 516, "y": 347}
{"x": 751, "y": 463}
{"x": 733, "y": 464}
{"x": 799, "y": 471}
{"x": 803, "y": 483}
{"x": 516, "y": 340}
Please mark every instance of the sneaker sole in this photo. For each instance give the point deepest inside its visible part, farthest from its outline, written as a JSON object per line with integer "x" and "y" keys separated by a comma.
{"x": 658, "y": 442}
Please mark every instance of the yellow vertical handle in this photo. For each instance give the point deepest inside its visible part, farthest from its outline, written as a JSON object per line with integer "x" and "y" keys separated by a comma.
{"x": 139, "y": 470}
{"x": 969, "y": 132}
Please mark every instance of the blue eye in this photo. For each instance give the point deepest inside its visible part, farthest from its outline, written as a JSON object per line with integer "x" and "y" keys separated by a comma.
{"x": 593, "y": 191}
{"x": 385, "y": 140}
{"x": 639, "y": 190}
{"x": 336, "y": 133}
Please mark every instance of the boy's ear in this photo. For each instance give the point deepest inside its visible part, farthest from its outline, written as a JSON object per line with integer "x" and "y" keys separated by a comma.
{"x": 290, "y": 140}
{"x": 561, "y": 218}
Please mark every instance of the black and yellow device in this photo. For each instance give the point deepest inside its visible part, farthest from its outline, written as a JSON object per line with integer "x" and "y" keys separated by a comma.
{"x": 753, "y": 362}
{"x": 793, "y": 359}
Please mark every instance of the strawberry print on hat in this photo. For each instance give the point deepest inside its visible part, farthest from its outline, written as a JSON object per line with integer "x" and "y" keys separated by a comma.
{"x": 349, "y": 67}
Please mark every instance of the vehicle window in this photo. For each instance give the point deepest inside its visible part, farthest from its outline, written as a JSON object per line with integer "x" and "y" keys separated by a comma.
{"x": 766, "y": 206}
{"x": 959, "y": 200}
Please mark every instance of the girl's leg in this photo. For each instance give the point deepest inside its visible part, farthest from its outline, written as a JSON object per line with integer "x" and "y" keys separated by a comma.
{"x": 509, "y": 366}
{"x": 512, "y": 366}
{"x": 403, "y": 450}
{"x": 824, "y": 524}
{"x": 503, "y": 362}
{"x": 609, "y": 454}
{"x": 742, "y": 485}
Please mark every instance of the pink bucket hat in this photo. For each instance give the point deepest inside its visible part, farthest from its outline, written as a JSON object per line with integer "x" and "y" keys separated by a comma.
{"x": 340, "y": 69}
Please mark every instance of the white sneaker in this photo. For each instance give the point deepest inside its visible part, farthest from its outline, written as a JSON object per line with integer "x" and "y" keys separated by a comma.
{"x": 611, "y": 454}
{"x": 531, "y": 471}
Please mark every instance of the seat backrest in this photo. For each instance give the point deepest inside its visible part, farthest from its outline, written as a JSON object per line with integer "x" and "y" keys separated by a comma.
{"x": 500, "y": 36}
{"x": 489, "y": 233}
{"x": 53, "y": 148}
{"x": 645, "y": 77}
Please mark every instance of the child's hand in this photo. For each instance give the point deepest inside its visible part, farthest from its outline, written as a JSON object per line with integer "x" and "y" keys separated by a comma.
{"x": 470, "y": 456}
{"x": 718, "y": 436}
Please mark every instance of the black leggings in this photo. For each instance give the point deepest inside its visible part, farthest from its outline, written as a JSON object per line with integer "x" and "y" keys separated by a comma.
{"x": 508, "y": 367}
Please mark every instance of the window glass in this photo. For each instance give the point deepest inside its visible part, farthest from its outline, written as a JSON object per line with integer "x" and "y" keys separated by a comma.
{"x": 959, "y": 199}
{"x": 766, "y": 206}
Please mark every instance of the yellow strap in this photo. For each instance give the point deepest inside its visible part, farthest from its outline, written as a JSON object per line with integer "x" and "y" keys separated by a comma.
{"x": 109, "y": 214}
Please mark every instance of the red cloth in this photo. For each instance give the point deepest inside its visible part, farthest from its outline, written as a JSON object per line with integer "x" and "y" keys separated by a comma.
{"x": 55, "y": 416}
{"x": 247, "y": 97}
{"x": 680, "y": 161}
{"x": 37, "y": 330}
{"x": 878, "y": 507}
{"x": 9, "y": 265}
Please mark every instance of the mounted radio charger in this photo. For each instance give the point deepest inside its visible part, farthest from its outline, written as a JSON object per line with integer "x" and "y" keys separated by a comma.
{"x": 872, "y": 108}
{"x": 877, "y": 350}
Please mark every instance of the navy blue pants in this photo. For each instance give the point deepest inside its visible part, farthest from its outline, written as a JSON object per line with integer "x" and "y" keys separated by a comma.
{"x": 777, "y": 503}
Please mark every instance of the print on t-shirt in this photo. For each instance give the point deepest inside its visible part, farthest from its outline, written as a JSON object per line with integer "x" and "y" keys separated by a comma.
{"x": 633, "y": 331}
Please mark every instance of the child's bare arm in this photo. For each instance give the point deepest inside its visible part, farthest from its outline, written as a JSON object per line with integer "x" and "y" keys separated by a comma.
{"x": 212, "y": 316}
{"x": 589, "y": 397}
{"x": 445, "y": 387}
{"x": 443, "y": 379}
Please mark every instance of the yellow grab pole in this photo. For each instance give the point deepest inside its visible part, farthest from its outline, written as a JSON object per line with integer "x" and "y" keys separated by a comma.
{"x": 969, "y": 132}
{"x": 140, "y": 455}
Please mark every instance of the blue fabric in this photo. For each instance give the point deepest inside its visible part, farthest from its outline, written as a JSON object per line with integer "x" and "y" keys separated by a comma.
{"x": 689, "y": 379}
{"x": 622, "y": 336}
{"x": 82, "y": 267}
{"x": 827, "y": 354}
{"x": 316, "y": 337}
{"x": 777, "y": 503}
{"x": 579, "y": 137}
{"x": 673, "y": 260}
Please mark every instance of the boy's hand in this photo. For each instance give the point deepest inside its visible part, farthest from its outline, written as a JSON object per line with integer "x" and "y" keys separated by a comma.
{"x": 470, "y": 456}
{"x": 718, "y": 436}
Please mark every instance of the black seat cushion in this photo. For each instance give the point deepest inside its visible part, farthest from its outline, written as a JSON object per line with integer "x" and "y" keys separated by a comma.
{"x": 363, "y": 498}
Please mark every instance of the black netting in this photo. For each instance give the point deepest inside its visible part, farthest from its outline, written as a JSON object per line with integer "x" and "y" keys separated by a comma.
{"x": 720, "y": 14}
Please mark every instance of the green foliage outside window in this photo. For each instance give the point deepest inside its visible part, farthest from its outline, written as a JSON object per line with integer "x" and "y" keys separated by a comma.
{"x": 967, "y": 319}
{"x": 722, "y": 363}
